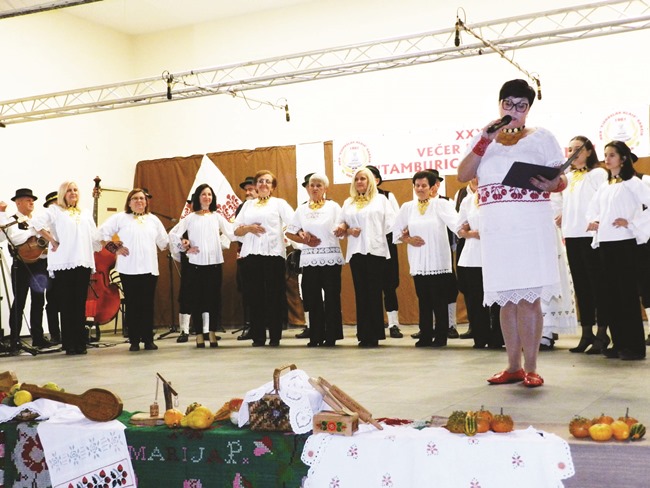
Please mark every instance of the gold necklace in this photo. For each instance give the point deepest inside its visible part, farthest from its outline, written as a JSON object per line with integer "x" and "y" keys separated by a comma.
{"x": 423, "y": 205}
{"x": 261, "y": 201}
{"x": 513, "y": 130}
{"x": 509, "y": 138}
{"x": 615, "y": 179}
{"x": 139, "y": 217}
{"x": 578, "y": 175}
{"x": 361, "y": 201}
{"x": 316, "y": 205}
{"x": 74, "y": 213}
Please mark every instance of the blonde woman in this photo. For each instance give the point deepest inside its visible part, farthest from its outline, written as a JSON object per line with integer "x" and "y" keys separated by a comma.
{"x": 366, "y": 219}
{"x": 73, "y": 239}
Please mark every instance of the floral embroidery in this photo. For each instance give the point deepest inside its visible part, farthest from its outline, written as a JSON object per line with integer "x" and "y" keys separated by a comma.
{"x": 472, "y": 441}
{"x": 432, "y": 449}
{"x": 517, "y": 462}
{"x": 387, "y": 480}
{"x": 500, "y": 193}
{"x": 353, "y": 452}
{"x": 335, "y": 482}
{"x": 475, "y": 483}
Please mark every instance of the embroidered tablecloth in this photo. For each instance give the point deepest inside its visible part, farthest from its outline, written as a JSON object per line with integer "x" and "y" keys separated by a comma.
{"x": 403, "y": 457}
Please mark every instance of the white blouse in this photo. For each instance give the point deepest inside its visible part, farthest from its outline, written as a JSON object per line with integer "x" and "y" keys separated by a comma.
{"x": 16, "y": 235}
{"x": 469, "y": 213}
{"x": 203, "y": 231}
{"x": 621, "y": 200}
{"x": 581, "y": 188}
{"x": 76, "y": 233}
{"x": 273, "y": 216}
{"x": 434, "y": 257}
{"x": 140, "y": 236}
{"x": 319, "y": 223}
{"x": 375, "y": 220}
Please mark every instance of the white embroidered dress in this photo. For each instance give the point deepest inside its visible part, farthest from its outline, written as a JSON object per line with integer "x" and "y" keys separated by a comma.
{"x": 517, "y": 229}
{"x": 203, "y": 231}
{"x": 375, "y": 220}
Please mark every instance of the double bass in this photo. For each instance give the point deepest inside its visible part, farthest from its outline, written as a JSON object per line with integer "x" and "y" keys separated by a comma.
{"x": 103, "y": 300}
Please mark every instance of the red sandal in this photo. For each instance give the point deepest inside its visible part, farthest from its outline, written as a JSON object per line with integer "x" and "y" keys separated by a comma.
{"x": 533, "y": 380}
{"x": 506, "y": 377}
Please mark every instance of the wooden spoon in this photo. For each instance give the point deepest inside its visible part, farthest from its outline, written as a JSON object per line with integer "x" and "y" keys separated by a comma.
{"x": 96, "y": 404}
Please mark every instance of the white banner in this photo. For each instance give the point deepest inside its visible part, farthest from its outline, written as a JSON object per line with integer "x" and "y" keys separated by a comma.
{"x": 399, "y": 156}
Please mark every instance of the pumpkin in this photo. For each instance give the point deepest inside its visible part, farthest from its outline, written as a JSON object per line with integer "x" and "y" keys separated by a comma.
{"x": 603, "y": 419}
{"x": 637, "y": 431}
{"x": 579, "y": 427}
{"x": 470, "y": 423}
{"x": 630, "y": 421}
{"x": 456, "y": 422}
{"x": 502, "y": 423}
{"x": 483, "y": 420}
{"x": 620, "y": 430}
{"x": 601, "y": 432}
{"x": 172, "y": 418}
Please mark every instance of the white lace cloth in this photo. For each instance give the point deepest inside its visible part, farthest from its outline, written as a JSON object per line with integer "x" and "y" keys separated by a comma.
{"x": 403, "y": 457}
{"x": 78, "y": 449}
{"x": 43, "y": 408}
{"x": 303, "y": 400}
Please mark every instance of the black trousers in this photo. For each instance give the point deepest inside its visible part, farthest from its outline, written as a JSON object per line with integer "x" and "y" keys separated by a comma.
{"x": 391, "y": 277}
{"x": 265, "y": 286}
{"x": 72, "y": 286}
{"x": 324, "y": 314}
{"x": 585, "y": 269}
{"x": 367, "y": 276}
{"x": 644, "y": 273}
{"x": 24, "y": 278}
{"x": 433, "y": 297}
{"x": 471, "y": 281}
{"x": 139, "y": 291}
{"x": 618, "y": 261}
{"x": 205, "y": 292}
{"x": 52, "y": 309}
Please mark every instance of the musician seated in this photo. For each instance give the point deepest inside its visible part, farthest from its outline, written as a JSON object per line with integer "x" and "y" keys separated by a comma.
{"x": 28, "y": 270}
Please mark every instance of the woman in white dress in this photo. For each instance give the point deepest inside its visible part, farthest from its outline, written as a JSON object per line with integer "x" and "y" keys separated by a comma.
{"x": 422, "y": 224}
{"x": 366, "y": 219}
{"x": 260, "y": 225}
{"x": 204, "y": 227}
{"x": 139, "y": 232}
{"x": 583, "y": 180}
{"x": 321, "y": 261}
{"x": 618, "y": 213}
{"x": 517, "y": 229}
{"x": 73, "y": 238}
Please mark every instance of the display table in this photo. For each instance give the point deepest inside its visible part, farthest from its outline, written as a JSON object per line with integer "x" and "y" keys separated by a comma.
{"x": 403, "y": 457}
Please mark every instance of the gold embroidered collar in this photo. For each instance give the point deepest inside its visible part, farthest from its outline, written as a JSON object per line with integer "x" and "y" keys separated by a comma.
{"x": 423, "y": 205}
{"x": 361, "y": 201}
{"x": 261, "y": 201}
{"x": 316, "y": 205}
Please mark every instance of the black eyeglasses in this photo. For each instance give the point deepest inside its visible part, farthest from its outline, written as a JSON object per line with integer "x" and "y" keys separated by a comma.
{"x": 508, "y": 104}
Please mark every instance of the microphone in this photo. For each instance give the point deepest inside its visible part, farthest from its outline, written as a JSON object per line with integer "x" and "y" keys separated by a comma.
{"x": 170, "y": 79}
{"x": 286, "y": 112}
{"x": 457, "y": 36}
{"x": 502, "y": 123}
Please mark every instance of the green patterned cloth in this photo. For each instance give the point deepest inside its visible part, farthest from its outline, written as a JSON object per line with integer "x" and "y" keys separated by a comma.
{"x": 221, "y": 456}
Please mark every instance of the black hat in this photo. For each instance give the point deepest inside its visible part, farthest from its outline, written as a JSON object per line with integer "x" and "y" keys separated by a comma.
{"x": 23, "y": 192}
{"x": 50, "y": 198}
{"x": 250, "y": 180}
{"x": 146, "y": 193}
{"x": 435, "y": 173}
{"x": 375, "y": 171}
{"x": 306, "y": 182}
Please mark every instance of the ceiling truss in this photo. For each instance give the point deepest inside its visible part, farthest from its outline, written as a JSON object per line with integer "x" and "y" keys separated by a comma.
{"x": 33, "y": 7}
{"x": 543, "y": 28}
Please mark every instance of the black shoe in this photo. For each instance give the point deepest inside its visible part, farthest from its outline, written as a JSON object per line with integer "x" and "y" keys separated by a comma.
{"x": 467, "y": 335}
{"x": 395, "y": 333}
{"x": 55, "y": 339}
{"x": 647, "y": 341}
{"x": 611, "y": 353}
{"x": 134, "y": 347}
{"x": 182, "y": 338}
{"x": 627, "y": 355}
{"x": 259, "y": 343}
{"x": 369, "y": 344}
{"x": 150, "y": 346}
{"x": 584, "y": 343}
{"x": 437, "y": 343}
{"x": 43, "y": 344}
{"x": 329, "y": 344}
{"x": 70, "y": 352}
{"x": 416, "y": 335}
{"x": 424, "y": 343}
{"x": 479, "y": 346}
{"x": 274, "y": 343}
{"x": 81, "y": 350}
{"x": 304, "y": 334}
{"x": 452, "y": 333}
{"x": 313, "y": 344}
{"x": 245, "y": 335}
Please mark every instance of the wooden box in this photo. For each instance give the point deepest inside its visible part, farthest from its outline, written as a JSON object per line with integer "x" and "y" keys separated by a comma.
{"x": 336, "y": 423}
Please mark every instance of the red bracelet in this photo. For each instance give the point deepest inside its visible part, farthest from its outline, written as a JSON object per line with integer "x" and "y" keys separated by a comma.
{"x": 481, "y": 146}
{"x": 560, "y": 186}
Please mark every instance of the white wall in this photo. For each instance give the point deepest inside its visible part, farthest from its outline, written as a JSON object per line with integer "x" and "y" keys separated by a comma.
{"x": 56, "y": 51}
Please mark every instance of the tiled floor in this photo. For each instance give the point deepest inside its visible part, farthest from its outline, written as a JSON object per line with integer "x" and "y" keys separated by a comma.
{"x": 394, "y": 380}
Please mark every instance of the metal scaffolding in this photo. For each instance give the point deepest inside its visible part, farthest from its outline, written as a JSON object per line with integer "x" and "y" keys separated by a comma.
{"x": 550, "y": 27}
